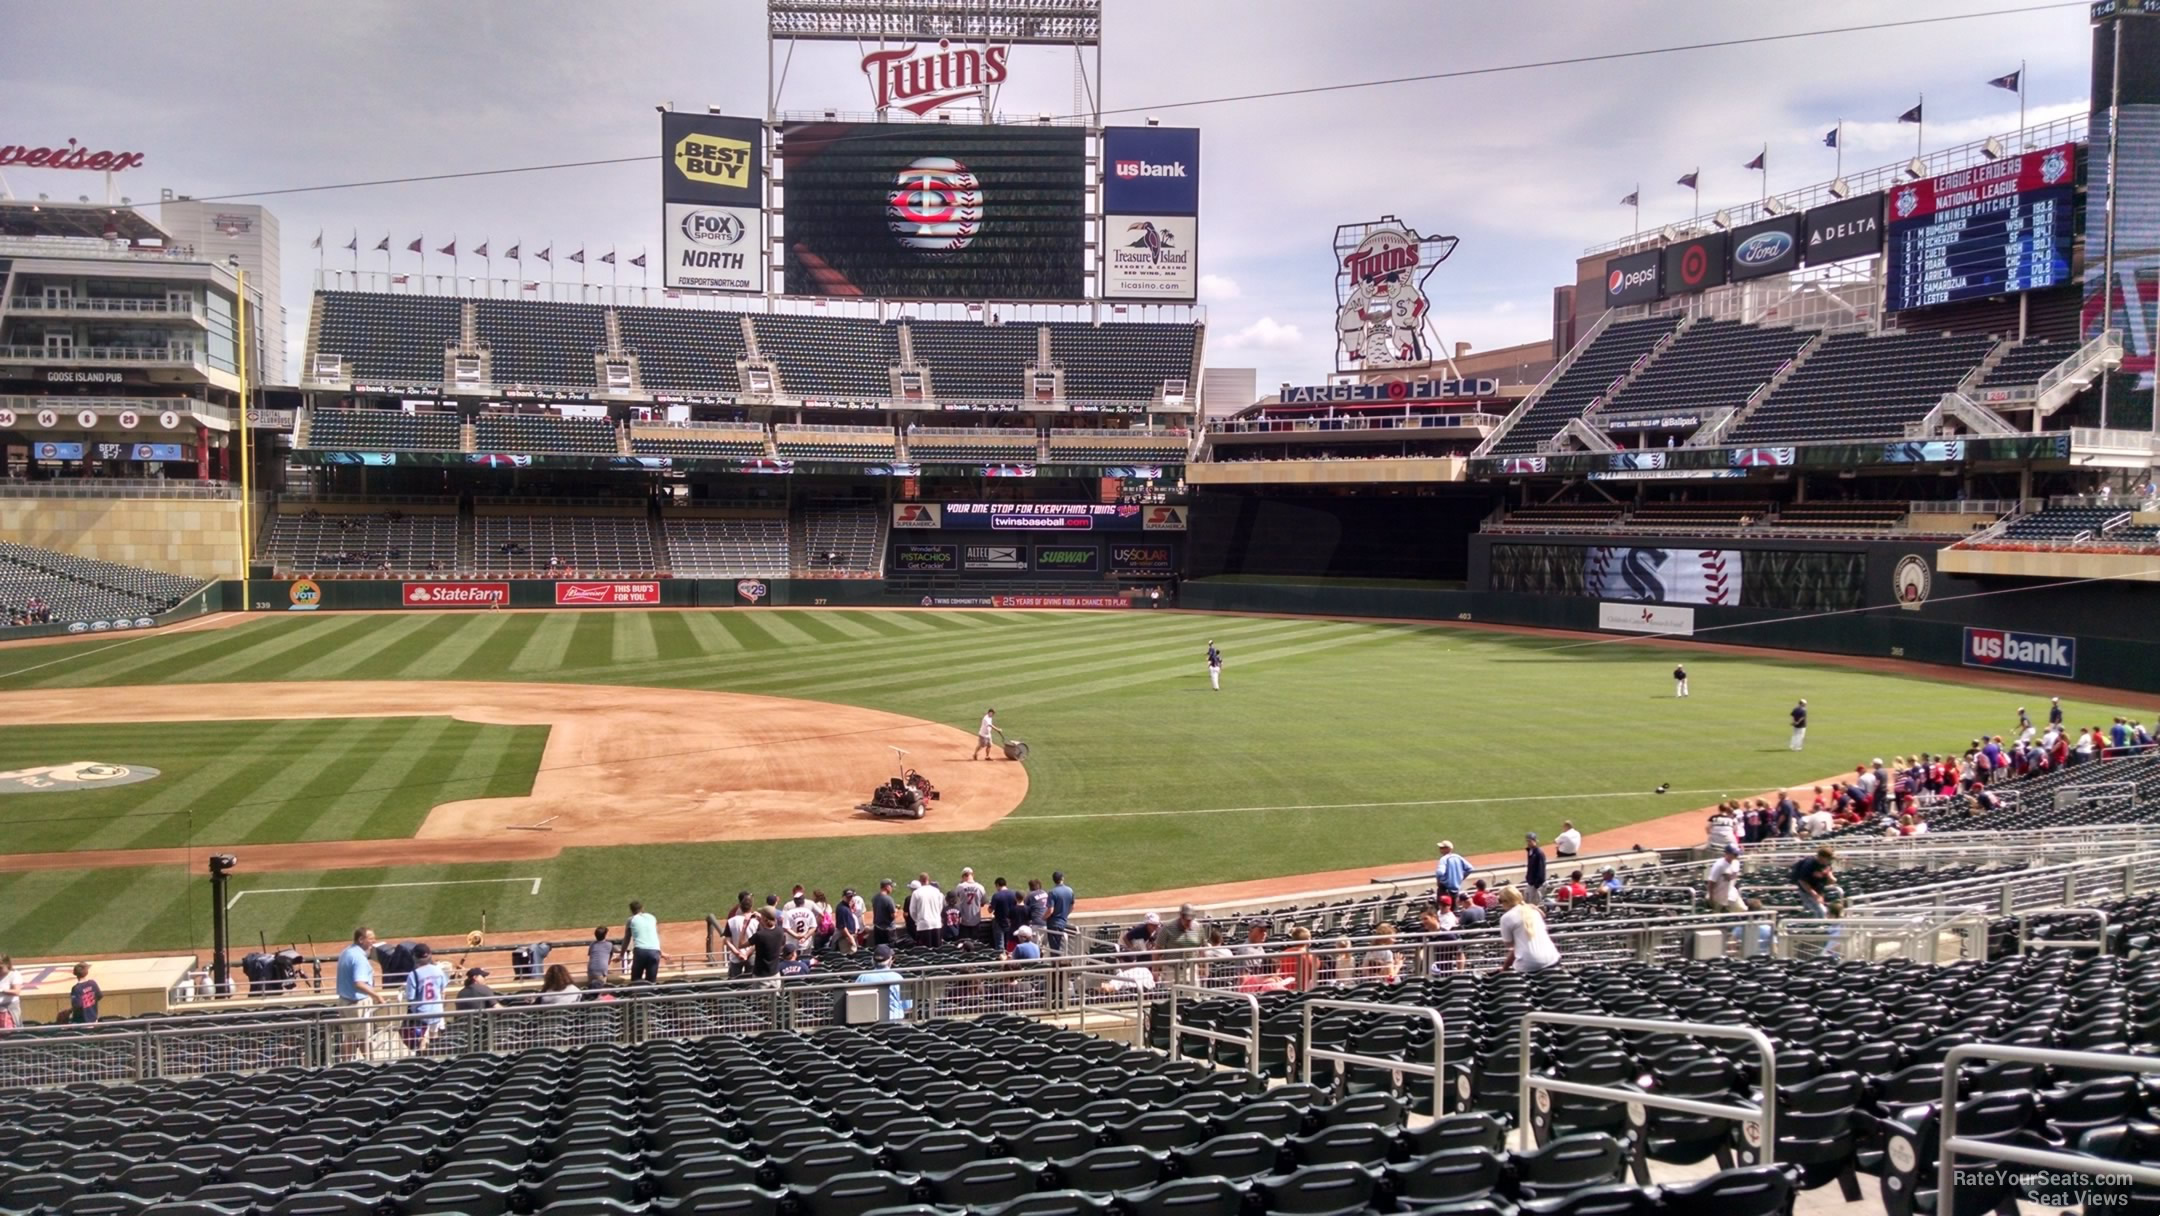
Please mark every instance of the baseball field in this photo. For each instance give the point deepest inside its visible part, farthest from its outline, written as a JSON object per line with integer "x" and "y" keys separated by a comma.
{"x": 416, "y": 770}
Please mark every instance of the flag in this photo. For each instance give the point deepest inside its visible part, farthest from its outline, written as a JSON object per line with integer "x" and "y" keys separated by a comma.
{"x": 1829, "y": 139}
{"x": 318, "y": 239}
{"x": 2009, "y": 82}
{"x": 414, "y": 247}
{"x": 353, "y": 245}
{"x": 1759, "y": 161}
{"x": 401, "y": 278}
{"x": 638, "y": 261}
{"x": 608, "y": 258}
{"x": 481, "y": 252}
{"x": 543, "y": 254}
{"x": 512, "y": 254}
{"x": 532, "y": 287}
{"x": 1634, "y": 199}
{"x": 671, "y": 295}
{"x": 1912, "y": 115}
{"x": 449, "y": 250}
{"x": 578, "y": 257}
{"x": 1691, "y": 180}
{"x": 383, "y": 245}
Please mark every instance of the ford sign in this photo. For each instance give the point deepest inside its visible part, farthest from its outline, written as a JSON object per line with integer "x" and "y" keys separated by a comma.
{"x": 2040, "y": 654}
{"x": 1763, "y": 248}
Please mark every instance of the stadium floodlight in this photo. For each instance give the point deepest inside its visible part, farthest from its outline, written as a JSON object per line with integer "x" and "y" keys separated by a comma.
{"x": 1992, "y": 149}
{"x": 1839, "y": 188}
{"x": 1670, "y": 234}
{"x": 1722, "y": 219}
{"x": 1153, "y": 121}
{"x": 1772, "y": 206}
{"x": 1916, "y": 168}
{"x": 664, "y": 106}
{"x": 712, "y": 109}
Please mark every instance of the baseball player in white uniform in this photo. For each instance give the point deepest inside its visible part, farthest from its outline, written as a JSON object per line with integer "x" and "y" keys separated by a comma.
{"x": 983, "y": 745}
{"x": 1214, "y": 666}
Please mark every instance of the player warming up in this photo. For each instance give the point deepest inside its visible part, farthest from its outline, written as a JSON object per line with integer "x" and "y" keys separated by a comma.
{"x": 1679, "y": 679}
{"x": 983, "y": 732}
{"x": 1214, "y": 666}
{"x": 1799, "y": 724}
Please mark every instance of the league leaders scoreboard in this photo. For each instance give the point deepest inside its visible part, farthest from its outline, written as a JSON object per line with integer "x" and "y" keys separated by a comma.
{"x": 1995, "y": 229}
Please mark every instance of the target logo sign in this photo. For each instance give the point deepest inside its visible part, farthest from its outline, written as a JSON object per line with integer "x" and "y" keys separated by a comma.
{"x": 1694, "y": 265}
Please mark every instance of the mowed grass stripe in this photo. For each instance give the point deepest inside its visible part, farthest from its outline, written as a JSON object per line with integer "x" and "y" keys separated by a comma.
{"x": 491, "y": 659}
{"x": 68, "y": 913}
{"x": 265, "y": 658}
{"x": 453, "y": 643}
{"x": 710, "y": 636}
{"x": 819, "y": 629}
{"x": 548, "y": 646}
{"x": 86, "y": 665}
{"x": 194, "y": 807}
{"x": 670, "y": 635}
{"x": 286, "y": 797}
{"x": 633, "y": 640}
{"x": 495, "y": 763}
{"x": 782, "y": 630}
{"x": 1063, "y": 688}
{"x": 364, "y": 808}
{"x": 356, "y": 656}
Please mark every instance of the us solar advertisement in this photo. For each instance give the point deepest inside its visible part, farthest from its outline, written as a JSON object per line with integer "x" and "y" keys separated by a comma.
{"x": 923, "y": 211}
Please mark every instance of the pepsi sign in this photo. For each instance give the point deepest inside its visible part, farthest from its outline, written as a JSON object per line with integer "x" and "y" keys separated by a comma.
{"x": 1767, "y": 248}
{"x": 2040, "y": 654}
{"x": 1151, "y": 171}
{"x": 1633, "y": 279}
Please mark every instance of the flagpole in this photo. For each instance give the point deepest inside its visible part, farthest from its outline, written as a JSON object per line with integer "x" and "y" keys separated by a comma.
{"x": 1764, "y": 161}
{"x": 423, "y": 263}
{"x": 1637, "y": 196}
{"x": 1840, "y": 149}
{"x": 1919, "y": 131}
{"x": 354, "y": 248}
{"x": 2021, "y": 104}
{"x": 1697, "y": 188}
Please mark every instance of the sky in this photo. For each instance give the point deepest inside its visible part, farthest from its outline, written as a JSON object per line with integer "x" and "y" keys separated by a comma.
{"x": 237, "y": 97}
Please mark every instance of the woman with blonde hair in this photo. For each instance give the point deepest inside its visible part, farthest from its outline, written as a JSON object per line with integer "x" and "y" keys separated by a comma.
{"x": 1381, "y": 962}
{"x": 1524, "y": 935}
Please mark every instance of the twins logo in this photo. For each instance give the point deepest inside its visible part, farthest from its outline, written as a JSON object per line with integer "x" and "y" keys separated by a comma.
{"x": 935, "y": 206}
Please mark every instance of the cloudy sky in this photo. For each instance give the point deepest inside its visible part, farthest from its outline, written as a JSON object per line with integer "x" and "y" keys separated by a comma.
{"x": 242, "y": 96}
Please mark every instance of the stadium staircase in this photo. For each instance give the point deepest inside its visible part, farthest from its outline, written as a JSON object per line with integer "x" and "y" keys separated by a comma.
{"x": 1713, "y": 434}
{"x": 1567, "y": 361}
{"x": 1605, "y": 358}
{"x": 657, "y": 536}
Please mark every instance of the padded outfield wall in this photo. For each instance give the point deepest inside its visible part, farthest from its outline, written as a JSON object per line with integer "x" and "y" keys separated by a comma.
{"x": 1831, "y": 597}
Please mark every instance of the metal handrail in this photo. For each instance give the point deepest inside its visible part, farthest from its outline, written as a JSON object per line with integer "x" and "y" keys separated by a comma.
{"x": 2025, "y": 940}
{"x": 1437, "y": 1070}
{"x": 1250, "y": 1042}
{"x": 1951, "y": 1144}
{"x": 1857, "y": 935}
{"x": 1746, "y": 1116}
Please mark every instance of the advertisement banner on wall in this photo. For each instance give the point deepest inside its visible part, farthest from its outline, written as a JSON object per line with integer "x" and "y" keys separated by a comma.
{"x": 1633, "y": 279}
{"x": 1068, "y": 559}
{"x": 1662, "y": 576}
{"x": 1140, "y": 559}
{"x": 994, "y": 557}
{"x": 606, "y": 595}
{"x": 305, "y": 595}
{"x": 1851, "y": 229}
{"x": 712, "y": 193}
{"x": 1060, "y": 601}
{"x": 1151, "y": 169}
{"x": 925, "y": 559}
{"x": 1151, "y": 257}
{"x": 2040, "y": 654}
{"x": 1770, "y": 247}
{"x": 917, "y": 515}
{"x": 455, "y": 595}
{"x": 1695, "y": 265}
{"x": 1647, "y": 618}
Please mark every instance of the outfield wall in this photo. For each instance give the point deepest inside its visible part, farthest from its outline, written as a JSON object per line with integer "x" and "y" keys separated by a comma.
{"x": 380, "y": 595}
{"x": 2109, "y": 627}
{"x": 198, "y": 537}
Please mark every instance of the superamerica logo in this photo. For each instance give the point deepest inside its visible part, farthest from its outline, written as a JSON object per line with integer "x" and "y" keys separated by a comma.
{"x": 2040, "y": 654}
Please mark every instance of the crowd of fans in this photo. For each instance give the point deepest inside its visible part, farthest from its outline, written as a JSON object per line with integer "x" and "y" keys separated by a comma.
{"x": 33, "y": 611}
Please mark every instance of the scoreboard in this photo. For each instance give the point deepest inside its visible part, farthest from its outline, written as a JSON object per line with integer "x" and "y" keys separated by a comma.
{"x": 1995, "y": 229}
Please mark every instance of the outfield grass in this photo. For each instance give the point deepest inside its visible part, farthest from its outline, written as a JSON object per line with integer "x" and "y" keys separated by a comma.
{"x": 1333, "y": 744}
{"x": 256, "y": 782}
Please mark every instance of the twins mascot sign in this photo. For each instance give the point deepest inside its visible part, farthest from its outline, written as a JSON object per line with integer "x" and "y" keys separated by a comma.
{"x": 1380, "y": 273}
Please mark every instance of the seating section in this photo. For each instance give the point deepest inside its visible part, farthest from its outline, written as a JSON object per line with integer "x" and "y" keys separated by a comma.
{"x": 541, "y": 341}
{"x": 1564, "y": 515}
{"x": 428, "y": 431}
{"x": 865, "y": 446}
{"x": 728, "y": 546}
{"x": 2026, "y": 362}
{"x": 305, "y": 541}
{"x": 543, "y": 432}
{"x": 970, "y": 361}
{"x": 1713, "y": 365}
{"x": 1123, "y": 361}
{"x": 592, "y": 544}
{"x": 987, "y": 446}
{"x": 1843, "y": 516}
{"x": 1596, "y": 366}
{"x": 382, "y": 337}
{"x": 842, "y": 357}
{"x": 1685, "y": 515}
{"x": 83, "y": 588}
{"x": 1117, "y": 447}
{"x": 1863, "y": 386}
{"x": 746, "y": 442}
{"x": 839, "y": 538}
{"x": 2061, "y": 523}
{"x": 684, "y": 350}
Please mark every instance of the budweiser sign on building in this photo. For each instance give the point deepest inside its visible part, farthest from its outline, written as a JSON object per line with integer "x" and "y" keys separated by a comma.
{"x": 919, "y": 83}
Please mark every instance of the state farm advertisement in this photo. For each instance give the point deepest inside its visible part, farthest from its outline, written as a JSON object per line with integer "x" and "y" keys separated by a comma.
{"x": 606, "y": 595}
{"x": 456, "y": 595}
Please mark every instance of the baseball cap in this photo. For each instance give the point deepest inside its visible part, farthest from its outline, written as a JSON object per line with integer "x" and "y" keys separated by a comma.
{"x": 1023, "y": 931}
{"x": 1187, "y": 910}
{"x": 423, "y": 950}
{"x": 882, "y": 954}
{"x": 885, "y": 882}
{"x": 1445, "y": 844}
{"x": 473, "y": 973}
{"x": 1152, "y": 919}
{"x": 967, "y": 871}
{"x": 1731, "y": 850}
{"x": 1530, "y": 836}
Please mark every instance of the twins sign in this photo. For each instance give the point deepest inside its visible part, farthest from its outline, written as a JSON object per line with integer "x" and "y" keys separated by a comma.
{"x": 2040, "y": 654}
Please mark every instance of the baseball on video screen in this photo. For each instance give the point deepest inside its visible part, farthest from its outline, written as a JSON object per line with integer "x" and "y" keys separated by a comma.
{"x": 924, "y": 212}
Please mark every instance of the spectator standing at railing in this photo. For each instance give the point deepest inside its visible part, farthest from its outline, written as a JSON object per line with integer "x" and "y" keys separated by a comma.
{"x": 84, "y": 997}
{"x": 1451, "y": 871}
{"x": 356, "y": 993}
{"x": 766, "y": 945}
{"x": 1036, "y": 907}
{"x": 736, "y": 935}
{"x": 968, "y": 898}
{"x": 10, "y": 994}
{"x": 1533, "y": 884}
{"x": 642, "y": 936}
{"x": 926, "y": 911}
{"x": 1061, "y": 907}
{"x": 599, "y": 958}
{"x": 1006, "y": 914}
{"x": 425, "y": 989}
{"x": 884, "y": 915}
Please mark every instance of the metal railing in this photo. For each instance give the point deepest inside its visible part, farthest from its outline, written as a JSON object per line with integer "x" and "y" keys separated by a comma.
{"x": 66, "y": 247}
{"x": 1758, "y": 1124}
{"x": 1179, "y": 1028}
{"x": 108, "y": 306}
{"x": 2026, "y": 941}
{"x": 1435, "y": 1072}
{"x": 102, "y": 354}
{"x": 1918, "y": 936}
{"x": 117, "y": 487}
{"x": 1952, "y": 1144}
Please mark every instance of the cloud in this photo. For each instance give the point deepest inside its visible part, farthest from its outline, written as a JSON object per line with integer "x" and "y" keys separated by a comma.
{"x": 1267, "y": 333}
{"x": 1219, "y": 287}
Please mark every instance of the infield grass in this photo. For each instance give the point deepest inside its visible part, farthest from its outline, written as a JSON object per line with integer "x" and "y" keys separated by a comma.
{"x": 1332, "y": 744}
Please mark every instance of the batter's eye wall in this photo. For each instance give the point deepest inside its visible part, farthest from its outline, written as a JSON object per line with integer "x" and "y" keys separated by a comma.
{"x": 1415, "y": 536}
{"x": 1789, "y": 579}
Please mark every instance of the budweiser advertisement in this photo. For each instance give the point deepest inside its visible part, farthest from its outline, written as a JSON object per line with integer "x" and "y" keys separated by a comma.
{"x": 456, "y": 595}
{"x": 606, "y": 595}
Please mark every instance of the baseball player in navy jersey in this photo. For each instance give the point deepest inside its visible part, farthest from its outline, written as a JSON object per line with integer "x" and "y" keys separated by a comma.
{"x": 1214, "y": 666}
{"x": 1679, "y": 676}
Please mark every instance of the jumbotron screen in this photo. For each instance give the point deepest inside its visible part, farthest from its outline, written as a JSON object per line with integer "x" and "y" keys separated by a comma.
{"x": 920, "y": 211}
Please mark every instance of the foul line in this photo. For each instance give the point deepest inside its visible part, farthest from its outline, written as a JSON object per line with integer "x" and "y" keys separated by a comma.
{"x": 376, "y": 886}
{"x": 1343, "y": 806}
{"x": 84, "y": 654}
